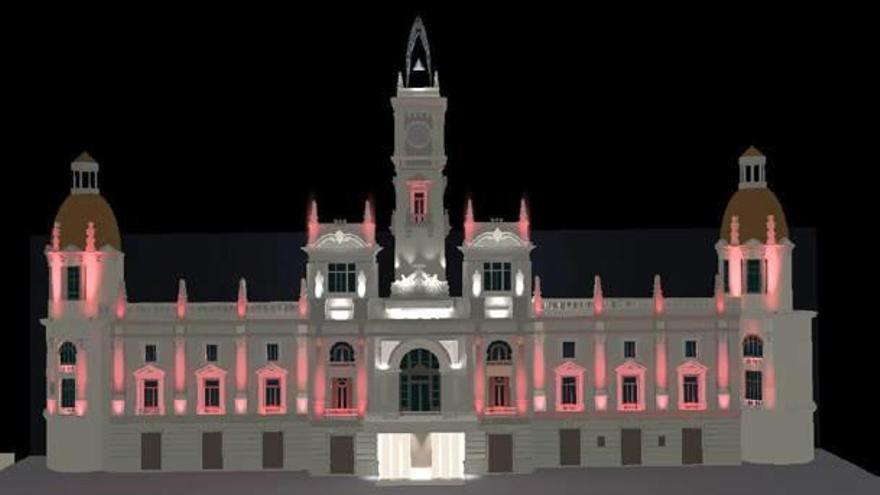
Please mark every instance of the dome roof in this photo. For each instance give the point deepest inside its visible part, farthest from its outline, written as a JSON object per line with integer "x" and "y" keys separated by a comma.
{"x": 75, "y": 214}
{"x": 752, "y": 206}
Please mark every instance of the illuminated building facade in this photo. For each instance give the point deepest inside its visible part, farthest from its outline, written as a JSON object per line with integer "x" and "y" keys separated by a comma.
{"x": 422, "y": 385}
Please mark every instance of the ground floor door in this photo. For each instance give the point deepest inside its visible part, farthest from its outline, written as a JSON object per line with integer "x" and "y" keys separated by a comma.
{"x": 273, "y": 450}
{"x": 691, "y": 445}
{"x": 570, "y": 447}
{"x": 630, "y": 446}
{"x": 212, "y": 450}
{"x": 341, "y": 455}
{"x": 151, "y": 451}
{"x": 500, "y": 453}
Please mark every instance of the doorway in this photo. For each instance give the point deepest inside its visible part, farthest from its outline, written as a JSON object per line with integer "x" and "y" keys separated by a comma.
{"x": 273, "y": 449}
{"x": 341, "y": 454}
{"x": 500, "y": 453}
{"x": 570, "y": 447}
{"x": 151, "y": 451}
{"x": 212, "y": 450}
{"x": 630, "y": 446}
{"x": 691, "y": 445}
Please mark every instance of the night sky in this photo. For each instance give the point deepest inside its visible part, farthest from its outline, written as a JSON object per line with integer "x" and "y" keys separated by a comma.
{"x": 230, "y": 121}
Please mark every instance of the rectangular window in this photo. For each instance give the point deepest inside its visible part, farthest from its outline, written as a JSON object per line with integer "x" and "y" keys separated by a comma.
{"x": 500, "y": 391}
{"x": 496, "y": 276}
{"x": 271, "y": 352}
{"x": 629, "y": 349}
{"x": 691, "y": 390}
{"x": 661, "y": 441}
{"x": 341, "y": 277}
{"x": 569, "y": 390}
{"x": 68, "y": 392}
{"x": 726, "y": 275}
{"x": 419, "y": 206}
{"x": 630, "y": 390}
{"x": 568, "y": 350}
{"x": 273, "y": 392}
{"x": 212, "y": 393}
{"x": 211, "y": 353}
{"x": 341, "y": 393}
{"x": 600, "y": 441}
{"x": 150, "y": 353}
{"x": 690, "y": 348}
{"x": 73, "y": 283}
{"x": 753, "y": 276}
{"x": 754, "y": 391}
{"x": 151, "y": 394}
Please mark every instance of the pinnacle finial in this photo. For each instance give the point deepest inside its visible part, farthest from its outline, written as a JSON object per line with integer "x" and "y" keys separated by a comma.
{"x": 303, "y": 298}
{"x": 242, "y": 298}
{"x": 659, "y": 302}
{"x": 734, "y": 230}
{"x": 598, "y": 296}
{"x": 771, "y": 229}
{"x": 182, "y": 298}
{"x": 90, "y": 236}
{"x": 56, "y": 236}
{"x": 719, "y": 294}
{"x": 538, "y": 299}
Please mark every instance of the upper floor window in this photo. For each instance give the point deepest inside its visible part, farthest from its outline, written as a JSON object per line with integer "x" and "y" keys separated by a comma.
{"x": 691, "y": 390}
{"x": 569, "y": 390}
{"x": 568, "y": 350}
{"x": 68, "y": 393}
{"x": 67, "y": 354}
{"x": 211, "y": 353}
{"x": 341, "y": 390}
{"x": 150, "y": 353}
{"x": 630, "y": 390}
{"x": 273, "y": 392}
{"x": 419, "y": 206}
{"x": 753, "y": 277}
{"x": 754, "y": 386}
{"x": 341, "y": 352}
{"x": 496, "y": 276}
{"x": 629, "y": 349}
{"x": 73, "y": 283}
{"x": 272, "y": 352}
{"x": 726, "y": 275}
{"x": 500, "y": 392}
{"x": 690, "y": 348}
{"x": 212, "y": 393}
{"x": 753, "y": 347}
{"x": 341, "y": 277}
{"x": 498, "y": 351}
{"x": 151, "y": 394}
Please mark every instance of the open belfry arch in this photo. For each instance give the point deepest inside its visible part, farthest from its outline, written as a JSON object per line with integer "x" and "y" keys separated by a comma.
{"x": 422, "y": 386}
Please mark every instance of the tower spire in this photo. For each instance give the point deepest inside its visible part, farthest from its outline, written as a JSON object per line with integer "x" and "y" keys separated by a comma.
{"x": 752, "y": 169}
{"x": 523, "y": 223}
{"x": 598, "y": 297}
{"x": 84, "y": 171}
{"x": 418, "y": 37}
{"x": 181, "y": 299}
{"x": 659, "y": 301}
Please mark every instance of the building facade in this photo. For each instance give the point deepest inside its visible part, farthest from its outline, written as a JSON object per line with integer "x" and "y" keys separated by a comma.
{"x": 421, "y": 385}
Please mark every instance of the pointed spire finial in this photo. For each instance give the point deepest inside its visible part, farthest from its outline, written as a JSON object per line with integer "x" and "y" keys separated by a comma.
{"x": 659, "y": 302}
{"x": 399, "y": 80}
{"x": 598, "y": 296}
{"x": 313, "y": 225}
{"x": 719, "y": 294}
{"x": 469, "y": 222}
{"x": 369, "y": 223}
{"x": 524, "y": 221}
{"x": 56, "y": 236}
{"x": 121, "y": 300}
{"x": 436, "y": 78}
{"x": 771, "y": 230}
{"x": 90, "y": 236}
{"x": 182, "y": 299}
{"x": 417, "y": 34}
{"x": 242, "y": 298}
{"x": 538, "y": 299}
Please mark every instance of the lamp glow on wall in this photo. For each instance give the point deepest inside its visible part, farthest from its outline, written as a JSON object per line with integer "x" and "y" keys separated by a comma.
{"x": 520, "y": 283}
{"x": 362, "y": 285}
{"x": 319, "y": 285}
{"x": 476, "y": 284}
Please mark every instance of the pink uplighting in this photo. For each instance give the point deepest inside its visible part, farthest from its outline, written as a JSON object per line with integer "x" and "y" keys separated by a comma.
{"x": 662, "y": 401}
{"x": 361, "y": 377}
{"x": 180, "y": 406}
{"x": 118, "y": 407}
{"x": 540, "y": 403}
{"x": 522, "y": 403}
{"x": 241, "y": 365}
{"x": 314, "y": 227}
{"x": 302, "y": 405}
{"x": 81, "y": 407}
{"x": 302, "y": 364}
{"x": 479, "y": 377}
{"x": 240, "y": 405}
{"x": 659, "y": 301}
{"x": 469, "y": 222}
{"x": 660, "y": 370}
{"x": 719, "y": 295}
{"x": 734, "y": 260}
{"x": 92, "y": 276}
{"x": 241, "y": 304}
{"x": 723, "y": 364}
{"x": 501, "y": 411}
{"x": 724, "y": 400}
{"x": 773, "y": 267}
{"x": 51, "y": 406}
{"x": 770, "y": 386}
{"x": 601, "y": 401}
{"x": 598, "y": 297}
{"x": 121, "y": 301}
{"x": 118, "y": 365}
{"x": 181, "y": 299}
{"x": 82, "y": 376}
{"x": 303, "y": 303}
{"x": 319, "y": 389}
{"x": 179, "y": 365}
{"x": 523, "y": 223}
{"x": 538, "y": 300}
{"x": 599, "y": 377}
{"x": 538, "y": 360}
{"x": 55, "y": 263}
{"x": 369, "y": 224}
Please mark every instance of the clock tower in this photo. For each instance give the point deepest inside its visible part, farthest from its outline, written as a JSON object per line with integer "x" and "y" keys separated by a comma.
{"x": 420, "y": 222}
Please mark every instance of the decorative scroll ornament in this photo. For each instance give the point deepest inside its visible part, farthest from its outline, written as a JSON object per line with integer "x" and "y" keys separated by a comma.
{"x": 419, "y": 282}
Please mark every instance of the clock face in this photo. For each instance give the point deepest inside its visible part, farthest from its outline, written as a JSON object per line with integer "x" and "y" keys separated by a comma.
{"x": 418, "y": 134}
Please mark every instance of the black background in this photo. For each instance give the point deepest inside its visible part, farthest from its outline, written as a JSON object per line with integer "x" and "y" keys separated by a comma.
{"x": 225, "y": 121}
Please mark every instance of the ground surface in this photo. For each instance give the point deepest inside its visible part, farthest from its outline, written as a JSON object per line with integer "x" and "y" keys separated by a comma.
{"x": 828, "y": 474}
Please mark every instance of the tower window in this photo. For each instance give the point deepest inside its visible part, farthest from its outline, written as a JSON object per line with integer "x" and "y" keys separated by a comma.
{"x": 753, "y": 347}
{"x": 568, "y": 350}
{"x": 629, "y": 349}
{"x": 419, "y": 207}
{"x": 753, "y": 276}
{"x": 726, "y": 275}
{"x": 211, "y": 353}
{"x": 272, "y": 352}
{"x": 73, "y": 283}
{"x": 68, "y": 393}
{"x": 754, "y": 382}
{"x": 67, "y": 354}
{"x": 690, "y": 348}
{"x": 496, "y": 276}
{"x": 341, "y": 277}
{"x": 150, "y": 353}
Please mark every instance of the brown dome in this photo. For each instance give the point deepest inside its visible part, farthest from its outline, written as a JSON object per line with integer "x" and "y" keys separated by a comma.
{"x": 752, "y": 206}
{"x": 80, "y": 209}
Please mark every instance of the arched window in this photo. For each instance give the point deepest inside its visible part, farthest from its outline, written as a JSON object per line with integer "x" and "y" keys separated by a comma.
{"x": 67, "y": 354}
{"x": 498, "y": 351}
{"x": 341, "y": 352}
{"x": 419, "y": 382}
{"x": 753, "y": 347}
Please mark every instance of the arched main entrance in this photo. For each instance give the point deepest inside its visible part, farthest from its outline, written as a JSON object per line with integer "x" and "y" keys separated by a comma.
{"x": 419, "y": 382}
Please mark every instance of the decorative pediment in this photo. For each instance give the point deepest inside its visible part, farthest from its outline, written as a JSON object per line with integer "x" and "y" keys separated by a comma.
{"x": 272, "y": 369}
{"x": 149, "y": 371}
{"x": 630, "y": 367}
{"x": 340, "y": 240}
{"x": 498, "y": 239}
{"x": 691, "y": 366}
{"x": 569, "y": 368}
{"x": 210, "y": 370}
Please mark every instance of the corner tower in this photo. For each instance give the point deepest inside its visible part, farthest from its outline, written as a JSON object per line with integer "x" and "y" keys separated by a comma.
{"x": 420, "y": 222}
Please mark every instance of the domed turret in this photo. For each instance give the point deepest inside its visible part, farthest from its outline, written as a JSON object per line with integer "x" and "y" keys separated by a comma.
{"x": 85, "y": 204}
{"x": 753, "y": 203}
